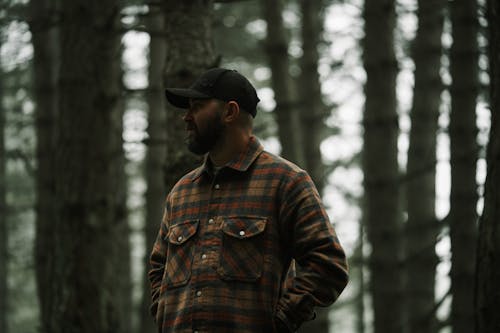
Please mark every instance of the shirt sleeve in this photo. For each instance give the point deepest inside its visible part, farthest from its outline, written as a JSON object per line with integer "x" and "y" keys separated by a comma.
{"x": 321, "y": 266}
{"x": 157, "y": 262}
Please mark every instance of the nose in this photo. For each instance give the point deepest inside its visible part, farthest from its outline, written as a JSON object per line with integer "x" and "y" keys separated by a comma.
{"x": 188, "y": 116}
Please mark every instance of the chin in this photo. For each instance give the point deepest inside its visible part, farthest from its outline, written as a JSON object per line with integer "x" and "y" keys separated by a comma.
{"x": 196, "y": 148}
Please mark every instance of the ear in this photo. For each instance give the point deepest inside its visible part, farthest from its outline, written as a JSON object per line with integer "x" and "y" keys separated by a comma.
{"x": 232, "y": 112}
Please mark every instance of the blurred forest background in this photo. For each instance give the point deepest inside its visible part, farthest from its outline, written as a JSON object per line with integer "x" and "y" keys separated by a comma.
{"x": 390, "y": 105}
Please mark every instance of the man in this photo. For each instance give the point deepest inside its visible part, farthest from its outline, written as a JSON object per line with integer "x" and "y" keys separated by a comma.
{"x": 231, "y": 227}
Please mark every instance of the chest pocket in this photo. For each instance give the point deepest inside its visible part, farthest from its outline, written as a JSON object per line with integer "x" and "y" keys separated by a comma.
{"x": 180, "y": 252}
{"x": 241, "y": 257}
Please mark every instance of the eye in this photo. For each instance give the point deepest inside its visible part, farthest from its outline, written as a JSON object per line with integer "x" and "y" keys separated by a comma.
{"x": 195, "y": 106}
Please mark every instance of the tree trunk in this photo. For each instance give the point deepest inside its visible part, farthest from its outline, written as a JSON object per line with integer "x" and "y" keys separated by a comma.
{"x": 422, "y": 227}
{"x": 381, "y": 205}
{"x": 286, "y": 110}
{"x": 190, "y": 52}
{"x": 122, "y": 270}
{"x": 3, "y": 223}
{"x": 312, "y": 113}
{"x": 312, "y": 108}
{"x": 45, "y": 74}
{"x": 155, "y": 158}
{"x": 488, "y": 251}
{"x": 463, "y": 131}
{"x": 90, "y": 212}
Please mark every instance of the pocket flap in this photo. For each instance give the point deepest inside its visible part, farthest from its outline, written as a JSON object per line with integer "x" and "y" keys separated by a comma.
{"x": 244, "y": 227}
{"x": 182, "y": 232}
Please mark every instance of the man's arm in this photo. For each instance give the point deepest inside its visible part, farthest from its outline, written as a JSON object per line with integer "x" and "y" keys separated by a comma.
{"x": 321, "y": 262}
{"x": 157, "y": 262}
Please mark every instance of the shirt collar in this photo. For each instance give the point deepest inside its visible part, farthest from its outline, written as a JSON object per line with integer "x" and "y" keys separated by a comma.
{"x": 241, "y": 162}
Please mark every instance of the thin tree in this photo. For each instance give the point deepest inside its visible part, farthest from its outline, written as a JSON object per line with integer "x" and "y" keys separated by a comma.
{"x": 121, "y": 259}
{"x": 360, "y": 301}
{"x": 44, "y": 32}
{"x": 3, "y": 222}
{"x": 313, "y": 113}
{"x": 487, "y": 293}
{"x": 464, "y": 153}
{"x": 155, "y": 157}
{"x": 422, "y": 226}
{"x": 381, "y": 206}
{"x": 286, "y": 110}
{"x": 89, "y": 207}
{"x": 312, "y": 108}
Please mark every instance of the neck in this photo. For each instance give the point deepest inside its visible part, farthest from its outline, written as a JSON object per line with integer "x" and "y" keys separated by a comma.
{"x": 228, "y": 148}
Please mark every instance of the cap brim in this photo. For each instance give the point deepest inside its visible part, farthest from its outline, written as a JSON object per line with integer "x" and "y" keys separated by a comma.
{"x": 180, "y": 97}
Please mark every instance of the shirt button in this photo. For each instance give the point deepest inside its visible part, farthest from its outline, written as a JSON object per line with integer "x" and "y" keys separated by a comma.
{"x": 198, "y": 293}
{"x": 179, "y": 238}
{"x": 242, "y": 233}
{"x": 203, "y": 256}
{"x": 217, "y": 186}
{"x": 211, "y": 221}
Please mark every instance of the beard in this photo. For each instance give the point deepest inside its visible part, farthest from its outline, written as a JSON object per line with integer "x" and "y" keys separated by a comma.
{"x": 204, "y": 138}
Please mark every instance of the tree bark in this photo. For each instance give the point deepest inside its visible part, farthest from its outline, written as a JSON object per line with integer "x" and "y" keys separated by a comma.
{"x": 422, "y": 226}
{"x": 381, "y": 202}
{"x": 88, "y": 161}
{"x": 313, "y": 113}
{"x": 4, "y": 297}
{"x": 312, "y": 108}
{"x": 45, "y": 75}
{"x": 155, "y": 158}
{"x": 464, "y": 153}
{"x": 487, "y": 300}
{"x": 360, "y": 301}
{"x": 190, "y": 52}
{"x": 122, "y": 270}
{"x": 286, "y": 110}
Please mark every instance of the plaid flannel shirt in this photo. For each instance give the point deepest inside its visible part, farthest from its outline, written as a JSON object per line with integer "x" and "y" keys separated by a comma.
{"x": 221, "y": 260}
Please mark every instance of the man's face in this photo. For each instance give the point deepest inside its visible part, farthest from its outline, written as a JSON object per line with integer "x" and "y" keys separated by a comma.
{"x": 203, "y": 125}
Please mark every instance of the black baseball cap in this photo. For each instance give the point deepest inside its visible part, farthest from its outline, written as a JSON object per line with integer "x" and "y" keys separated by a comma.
{"x": 220, "y": 83}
